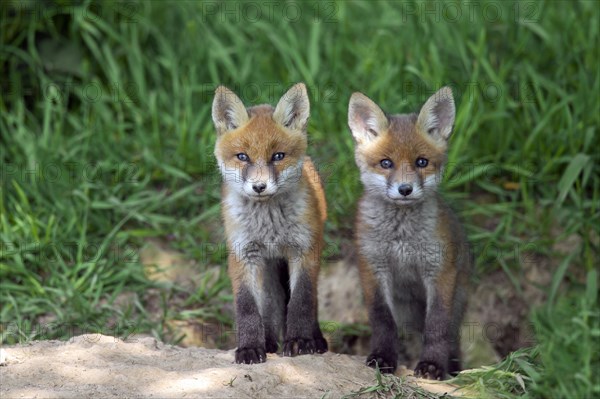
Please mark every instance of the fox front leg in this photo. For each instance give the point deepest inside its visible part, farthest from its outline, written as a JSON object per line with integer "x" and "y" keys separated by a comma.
{"x": 303, "y": 335}
{"x": 433, "y": 363}
{"x": 384, "y": 338}
{"x": 248, "y": 292}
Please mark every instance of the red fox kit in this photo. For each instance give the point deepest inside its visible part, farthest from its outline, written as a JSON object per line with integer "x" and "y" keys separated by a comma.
{"x": 413, "y": 255}
{"x": 274, "y": 210}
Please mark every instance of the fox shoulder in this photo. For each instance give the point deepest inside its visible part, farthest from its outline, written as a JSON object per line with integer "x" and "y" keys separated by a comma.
{"x": 315, "y": 186}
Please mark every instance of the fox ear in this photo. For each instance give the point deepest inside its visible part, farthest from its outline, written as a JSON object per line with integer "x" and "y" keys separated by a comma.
{"x": 228, "y": 111}
{"x": 293, "y": 109}
{"x": 365, "y": 118}
{"x": 437, "y": 115}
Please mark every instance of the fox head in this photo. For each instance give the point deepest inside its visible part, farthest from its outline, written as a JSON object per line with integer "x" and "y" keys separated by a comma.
{"x": 401, "y": 157}
{"x": 260, "y": 150}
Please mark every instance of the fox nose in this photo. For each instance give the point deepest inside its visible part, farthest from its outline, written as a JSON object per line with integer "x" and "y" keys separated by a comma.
{"x": 405, "y": 189}
{"x": 259, "y": 187}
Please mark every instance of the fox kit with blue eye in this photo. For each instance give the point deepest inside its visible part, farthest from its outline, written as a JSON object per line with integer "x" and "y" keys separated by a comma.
{"x": 274, "y": 211}
{"x": 414, "y": 258}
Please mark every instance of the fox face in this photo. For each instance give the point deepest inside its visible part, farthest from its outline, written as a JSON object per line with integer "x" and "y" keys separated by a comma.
{"x": 401, "y": 157}
{"x": 260, "y": 150}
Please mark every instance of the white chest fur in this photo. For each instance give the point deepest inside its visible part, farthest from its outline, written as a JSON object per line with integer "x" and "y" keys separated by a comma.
{"x": 402, "y": 240}
{"x": 277, "y": 226}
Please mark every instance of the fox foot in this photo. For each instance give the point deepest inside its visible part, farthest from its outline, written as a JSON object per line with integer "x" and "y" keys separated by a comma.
{"x": 250, "y": 355}
{"x": 320, "y": 345}
{"x": 299, "y": 346}
{"x": 429, "y": 370}
{"x": 387, "y": 363}
{"x": 271, "y": 345}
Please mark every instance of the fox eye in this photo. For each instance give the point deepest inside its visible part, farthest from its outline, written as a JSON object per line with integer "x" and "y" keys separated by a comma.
{"x": 386, "y": 163}
{"x": 278, "y": 156}
{"x": 243, "y": 157}
{"x": 421, "y": 162}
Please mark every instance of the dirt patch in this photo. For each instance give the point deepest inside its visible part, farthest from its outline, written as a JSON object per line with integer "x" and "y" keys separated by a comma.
{"x": 104, "y": 366}
{"x": 181, "y": 277}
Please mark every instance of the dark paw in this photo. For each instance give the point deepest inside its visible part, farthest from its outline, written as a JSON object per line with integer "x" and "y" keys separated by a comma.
{"x": 271, "y": 346}
{"x": 385, "y": 362}
{"x": 298, "y": 346}
{"x": 250, "y": 355}
{"x": 429, "y": 370}
{"x": 454, "y": 367}
{"x": 320, "y": 345}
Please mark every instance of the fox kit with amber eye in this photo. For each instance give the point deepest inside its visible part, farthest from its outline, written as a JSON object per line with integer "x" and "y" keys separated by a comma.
{"x": 413, "y": 255}
{"x": 274, "y": 210}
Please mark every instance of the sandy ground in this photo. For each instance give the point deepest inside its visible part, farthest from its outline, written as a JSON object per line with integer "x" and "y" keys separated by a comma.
{"x": 104, "y": 366}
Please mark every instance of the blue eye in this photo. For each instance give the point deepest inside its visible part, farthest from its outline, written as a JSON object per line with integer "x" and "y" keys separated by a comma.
{"x": 386, "y": 163}
{"x": 421, "y": 162}
{"x": 278, "y": 156}
{"x": 243, "y": 157}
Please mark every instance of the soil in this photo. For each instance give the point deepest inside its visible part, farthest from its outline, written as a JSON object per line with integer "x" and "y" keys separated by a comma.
{"x": 104, "y": 366}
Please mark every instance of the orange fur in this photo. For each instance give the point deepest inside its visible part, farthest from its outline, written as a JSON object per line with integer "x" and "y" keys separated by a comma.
{"x": 403, "y": 144}
{"x": 250, "y": 139}
{"x": 316, "y": 187}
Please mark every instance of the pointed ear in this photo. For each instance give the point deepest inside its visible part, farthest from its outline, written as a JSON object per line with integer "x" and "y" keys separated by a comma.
{"x": 436, "y": 117}
{"x": 293, "y": 109}
{"x": 365, "y": 118}
{"x": 228, "y": 111}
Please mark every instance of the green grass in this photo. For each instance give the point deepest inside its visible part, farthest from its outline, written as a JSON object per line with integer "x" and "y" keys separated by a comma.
{"x": 106, "y": 139}
{"x": 392, "y": 386}
{"x": 563, "y": 365}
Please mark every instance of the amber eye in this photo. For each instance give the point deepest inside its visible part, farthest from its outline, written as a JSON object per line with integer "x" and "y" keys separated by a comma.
{"x": 278, "y": 156}
{"x": 421, "y": 162}
{"x": 243, "y": 157}
{"x": 386, "y": 163}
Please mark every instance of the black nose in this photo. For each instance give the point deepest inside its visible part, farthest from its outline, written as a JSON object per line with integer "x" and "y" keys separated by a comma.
{"x": 405, "y": 189}
{"x": 259, "y": 187}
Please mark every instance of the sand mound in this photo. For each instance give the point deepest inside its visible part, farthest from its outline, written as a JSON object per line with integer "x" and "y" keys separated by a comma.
{"x": 104, "y": 366}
